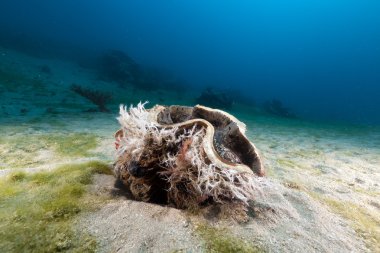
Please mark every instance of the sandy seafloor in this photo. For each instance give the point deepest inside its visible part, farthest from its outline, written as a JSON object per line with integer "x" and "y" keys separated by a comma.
{"x": 323, "y": 180}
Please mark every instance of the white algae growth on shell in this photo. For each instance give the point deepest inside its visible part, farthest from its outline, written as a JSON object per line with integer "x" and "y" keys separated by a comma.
{"x": 185, "y": 156}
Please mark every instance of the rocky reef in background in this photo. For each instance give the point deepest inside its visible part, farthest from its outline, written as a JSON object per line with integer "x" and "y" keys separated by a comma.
{"x": 215, "y": 98}
{"x": 276, "y": 108}
{"x": 116, "y": 66}
{"x": 98, "y": 98}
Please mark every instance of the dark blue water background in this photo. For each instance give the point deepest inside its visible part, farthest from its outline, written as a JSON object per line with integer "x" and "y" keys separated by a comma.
{"x": 321, "y": 58}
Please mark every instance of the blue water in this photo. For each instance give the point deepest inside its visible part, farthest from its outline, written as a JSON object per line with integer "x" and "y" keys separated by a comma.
{"x": 321, "y": 59}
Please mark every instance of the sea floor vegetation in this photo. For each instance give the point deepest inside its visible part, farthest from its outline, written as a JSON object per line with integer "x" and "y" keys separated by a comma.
{"x": 38, "y": 210}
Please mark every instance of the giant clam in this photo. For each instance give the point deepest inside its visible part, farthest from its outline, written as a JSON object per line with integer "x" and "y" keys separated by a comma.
{"x": 185, "y": 156}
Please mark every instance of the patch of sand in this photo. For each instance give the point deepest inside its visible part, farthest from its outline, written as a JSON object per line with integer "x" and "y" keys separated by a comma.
{"x": 281, "y": 220}
{"x": 130, "y": 226}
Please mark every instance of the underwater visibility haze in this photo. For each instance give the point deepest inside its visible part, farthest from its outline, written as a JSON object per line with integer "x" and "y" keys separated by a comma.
{"x": 320, "y": 58}
{"x": 304, "y": 77}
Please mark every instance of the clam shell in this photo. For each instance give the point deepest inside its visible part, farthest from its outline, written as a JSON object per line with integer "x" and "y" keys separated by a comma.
{"x": 225, "y": 142}
{"x": 186, "y": 156}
